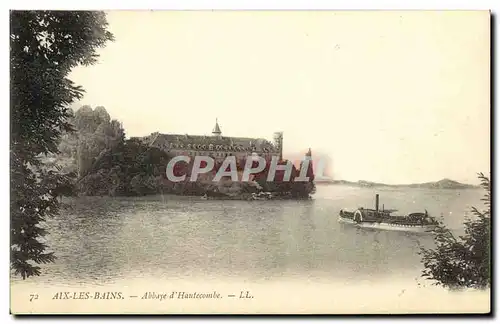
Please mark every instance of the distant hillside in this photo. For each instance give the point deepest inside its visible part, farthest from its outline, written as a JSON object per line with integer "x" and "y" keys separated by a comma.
{"x": 441, "y": 184}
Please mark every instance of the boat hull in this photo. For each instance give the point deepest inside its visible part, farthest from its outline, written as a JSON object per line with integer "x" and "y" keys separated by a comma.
{"x": 389, "y": 226}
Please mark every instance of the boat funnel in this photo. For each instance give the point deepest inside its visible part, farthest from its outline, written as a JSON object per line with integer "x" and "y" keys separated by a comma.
{"x": 376, "y": 202}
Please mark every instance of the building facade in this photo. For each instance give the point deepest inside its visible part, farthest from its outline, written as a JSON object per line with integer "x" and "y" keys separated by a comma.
{"x": 217, "y": 146}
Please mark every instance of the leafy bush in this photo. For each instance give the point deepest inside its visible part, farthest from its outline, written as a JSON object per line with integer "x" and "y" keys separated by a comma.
{"x": 462, "y": 262}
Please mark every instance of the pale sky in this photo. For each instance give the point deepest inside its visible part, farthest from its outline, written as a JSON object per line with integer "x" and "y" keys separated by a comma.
{"x": 394, "y": 97}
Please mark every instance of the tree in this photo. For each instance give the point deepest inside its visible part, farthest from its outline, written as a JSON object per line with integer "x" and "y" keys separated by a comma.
{"x": 44, "y": 47}
{"x": 462, "y": 262}
{"x": 95, "y": 132}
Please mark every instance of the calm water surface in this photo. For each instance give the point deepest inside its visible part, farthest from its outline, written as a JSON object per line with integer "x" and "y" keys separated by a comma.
{"x": 102, "y": 240}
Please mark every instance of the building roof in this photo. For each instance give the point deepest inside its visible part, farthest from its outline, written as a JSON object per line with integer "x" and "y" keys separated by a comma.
{"x": 201, "y": 142}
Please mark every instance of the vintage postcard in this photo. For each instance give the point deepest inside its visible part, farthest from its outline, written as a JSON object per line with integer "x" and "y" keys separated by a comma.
{"x": 250, "y": 162}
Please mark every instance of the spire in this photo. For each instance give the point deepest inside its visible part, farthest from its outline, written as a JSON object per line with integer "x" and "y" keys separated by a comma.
{"x": 309, "y": 154}
{"x": 216, "y": 130}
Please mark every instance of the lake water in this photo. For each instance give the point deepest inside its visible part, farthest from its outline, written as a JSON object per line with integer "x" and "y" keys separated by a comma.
{"x": 106, "y": 241}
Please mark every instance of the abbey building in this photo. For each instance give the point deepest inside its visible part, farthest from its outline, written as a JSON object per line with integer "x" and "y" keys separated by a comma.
{"x": 216, "y": 146}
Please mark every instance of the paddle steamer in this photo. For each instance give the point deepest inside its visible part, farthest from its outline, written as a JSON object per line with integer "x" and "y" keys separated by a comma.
{"x": 383, "y": 219}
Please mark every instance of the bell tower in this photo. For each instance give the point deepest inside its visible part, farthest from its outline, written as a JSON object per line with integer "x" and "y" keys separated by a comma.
{"x": 278, "y": 143}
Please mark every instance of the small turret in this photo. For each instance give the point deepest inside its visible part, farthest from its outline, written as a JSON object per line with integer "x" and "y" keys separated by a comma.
{"x": 216, "y": 131}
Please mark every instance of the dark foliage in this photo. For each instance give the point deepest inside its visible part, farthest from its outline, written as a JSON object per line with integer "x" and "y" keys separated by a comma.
{"x": 292, "y": 188}
{"x": 462, "y": 262}
{"x": 135, "y": 169}
{"x": 44, "y": 47}
{"x": 128, "y": 169}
